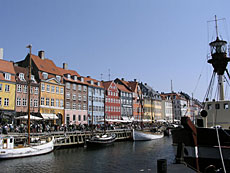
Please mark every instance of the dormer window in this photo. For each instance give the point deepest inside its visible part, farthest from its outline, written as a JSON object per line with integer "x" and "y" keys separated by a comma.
{"x": 7, "y": 76}
{"x": 58, "y": 78}
{"x": 91, "y": 82}
{"x": 82, "y": 79}
{"x": 33, "y": 79}
{"x": 21, "y": 76}
{"x": 68, "y": 76}
{"x": 98, "y": 83}
{"x": 75, "y": 78}
{"x": 45, "y": 75}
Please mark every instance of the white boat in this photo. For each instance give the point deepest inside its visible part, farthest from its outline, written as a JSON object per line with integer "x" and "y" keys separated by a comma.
{"x": 102, "y": 140}
{"x": 141, "y": 135}
{"x": 8, "y": 148}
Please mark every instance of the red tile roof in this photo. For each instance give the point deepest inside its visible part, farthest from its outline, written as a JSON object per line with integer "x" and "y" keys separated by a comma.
{"x": 122, "y": 88}
{"x": 88, "y": 79}
{"x": 106, "y": 84}
{"x": 8, "y": 67}
{"x": 45, "y": 65}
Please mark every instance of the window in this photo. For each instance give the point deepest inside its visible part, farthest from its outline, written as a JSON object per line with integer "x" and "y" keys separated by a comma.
{"x": 21, "y": 76}
{"x": 74, "y": 86}
{"x": 19, "y": 88}
{"x": 61, "y": 91}
{"x": 52, "y": 89}
{"x": 57, "y": 90}
{"x": 58, "y": 78}
{"x": 24, "y": 102}
{"x": 217, "y": 106}
{"x": 79, "y": 106}
{"x": 33, "y": 79}
{"x": 18, "y": 101}
{"x": 74, "y": 96}
{"x": 0, "y": 87}
{"x": 31, "y": 102}
{"x": 84, "y": 88}
{"x": 79, "y": 117}
{"x": 74, "y": 106}
{"x": 84, "y": 107}
{"x": 0, "y": 101}
{"x": 67, "y": 95}
{"x": 84, "y": 117}
{"x": 45, "y": 75}
{"x": 68, "y": 85}
{"x": 84, "y": 98}
{"x": 7, "y": 88}
{"x": 6, "y": 102}
{"x": 7, "y": 76}
{"x": 79, "y": 87}
{"x": 209, "y": 106}
{"x": 68, "y": 76}
{"x": 47, "y": 88}
{"x": 36, "y": 90}
{"x": 79, "y": 97}
{"x": 31, "y": 90}
{"x": 42, "y": 101}
{"x": 43, "y": 87}
{"x": 67, "y": 105}
{"x": 47, "y": 101}
{"x": 57, "y": 102}
{"x": 74, "y": 117}
{"x": 35, "y": 103}
{"x": 61, "y": 103}
{"x": 75, "y": 78}
{"x": 226, "y": 106}
{"x": 52, "y": 102}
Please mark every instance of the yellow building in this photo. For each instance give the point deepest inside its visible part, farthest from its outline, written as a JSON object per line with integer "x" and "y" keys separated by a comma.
{"x": 7, "y": 88}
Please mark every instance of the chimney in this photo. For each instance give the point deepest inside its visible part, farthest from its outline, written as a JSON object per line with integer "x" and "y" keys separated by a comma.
{"x": 135, "y": 80}
{"x": 65, "y": 66}
{"x": 1, "y": 53}
{"x": 88, "y": 76}
{"x": 41, "y": 54}
{"x": 145, "y": 83}
{"x": 122, "y": 79}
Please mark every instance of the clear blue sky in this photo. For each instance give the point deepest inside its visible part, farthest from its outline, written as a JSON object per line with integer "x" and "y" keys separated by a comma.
{"x": 154, "y": 41}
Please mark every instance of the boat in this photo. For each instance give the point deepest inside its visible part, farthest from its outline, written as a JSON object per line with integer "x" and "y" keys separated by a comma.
{"x": 205, "y": 146}
{"x": 11, "y": 148}
{"x": 145, "y": 134}
{"x": 15, "y": 147}
{"x": 142, "y": 135}
{"x": 100, "y": 139}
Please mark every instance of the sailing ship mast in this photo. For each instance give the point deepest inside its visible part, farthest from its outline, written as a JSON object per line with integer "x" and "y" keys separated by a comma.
{"x": 104, "y": 115}
{"x": 29, "y": 83}
{"x": 219, "y": 60}
{"x": 92, "y": 112}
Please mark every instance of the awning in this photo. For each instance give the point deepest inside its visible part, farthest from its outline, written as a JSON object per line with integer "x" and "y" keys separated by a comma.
{"x": 25, "y": 117}
{"x": 49, "y": 116}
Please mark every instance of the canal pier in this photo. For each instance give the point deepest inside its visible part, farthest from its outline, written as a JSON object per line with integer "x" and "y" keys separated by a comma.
{"x": 71, "y": 138}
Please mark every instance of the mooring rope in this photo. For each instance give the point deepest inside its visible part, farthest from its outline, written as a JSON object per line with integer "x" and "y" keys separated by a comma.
{"x": 221, "y": 155}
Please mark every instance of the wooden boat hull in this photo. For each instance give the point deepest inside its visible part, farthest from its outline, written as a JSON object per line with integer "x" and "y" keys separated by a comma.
{"x": 146, "y": 136}
{"x": 206, "y": 148}
{"x": 95, "y": 141}
{"x": 27, "y": 151}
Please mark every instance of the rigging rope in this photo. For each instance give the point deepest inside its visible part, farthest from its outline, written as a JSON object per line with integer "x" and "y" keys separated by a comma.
{"x": 218, "y": 139}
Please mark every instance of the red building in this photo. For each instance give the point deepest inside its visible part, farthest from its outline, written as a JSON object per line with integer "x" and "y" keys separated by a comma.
{"x": 112, "y": 101}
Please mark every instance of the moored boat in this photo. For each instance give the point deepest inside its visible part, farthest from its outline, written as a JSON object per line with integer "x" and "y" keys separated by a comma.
{"x": 9, "y": 149}
{"x": 101, "y": 140}
{"x": 143, "y": 135}
{"x": 207, "y": 146}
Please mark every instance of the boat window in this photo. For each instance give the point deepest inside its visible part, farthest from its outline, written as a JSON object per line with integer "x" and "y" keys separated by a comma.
{"x": 209, "y": 106}
{"x": 11, "y": 140}
{"x": 217, "y": 106}
{"x": 225, "y": 105}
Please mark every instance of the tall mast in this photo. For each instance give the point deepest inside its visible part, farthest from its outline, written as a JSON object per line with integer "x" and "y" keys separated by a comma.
{"x": 29, "y": 83}
{"x": 92, "y": 112}
{"x": 104, "y": 115}
{"x": 219, "y": 60}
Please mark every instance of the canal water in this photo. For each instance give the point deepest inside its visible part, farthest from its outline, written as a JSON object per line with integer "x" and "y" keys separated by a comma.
{"x": 125, "y": 156}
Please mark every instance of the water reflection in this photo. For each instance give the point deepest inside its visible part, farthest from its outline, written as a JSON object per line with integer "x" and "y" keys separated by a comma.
{"x": 121, "y": 157}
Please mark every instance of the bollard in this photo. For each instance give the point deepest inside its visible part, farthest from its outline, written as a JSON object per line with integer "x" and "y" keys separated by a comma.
{"x": 162, "y": 166}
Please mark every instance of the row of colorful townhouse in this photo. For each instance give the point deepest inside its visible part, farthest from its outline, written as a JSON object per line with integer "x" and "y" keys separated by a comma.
{"x": 62, "y": 96}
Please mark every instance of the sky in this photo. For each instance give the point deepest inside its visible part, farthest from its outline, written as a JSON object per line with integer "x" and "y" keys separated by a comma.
{"x": 158, "y": 42}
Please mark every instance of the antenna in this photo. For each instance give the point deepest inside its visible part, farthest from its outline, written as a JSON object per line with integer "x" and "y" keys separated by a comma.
{"x": 216, "y": 26}
{"x": 101, "y": 76}
{"x": 109, "y": 74}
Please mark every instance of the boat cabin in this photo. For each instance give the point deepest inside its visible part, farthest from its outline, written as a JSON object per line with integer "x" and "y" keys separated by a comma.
{"x": 6, "y": 142}
{"x": 218, "y": 113}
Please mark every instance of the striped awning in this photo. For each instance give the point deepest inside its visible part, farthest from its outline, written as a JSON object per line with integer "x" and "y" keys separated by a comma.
{"x": 49, "y": 116}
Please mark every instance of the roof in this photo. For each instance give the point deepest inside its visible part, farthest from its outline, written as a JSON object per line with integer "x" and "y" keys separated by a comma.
{"x": 106, "y": 84}
{"x": 88, "y": 79}
{"x": 122, "y": 88}
{"x": 45, "y": 65}
{"x": 132, "y": 85}
{"x": 6, "y": 66}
